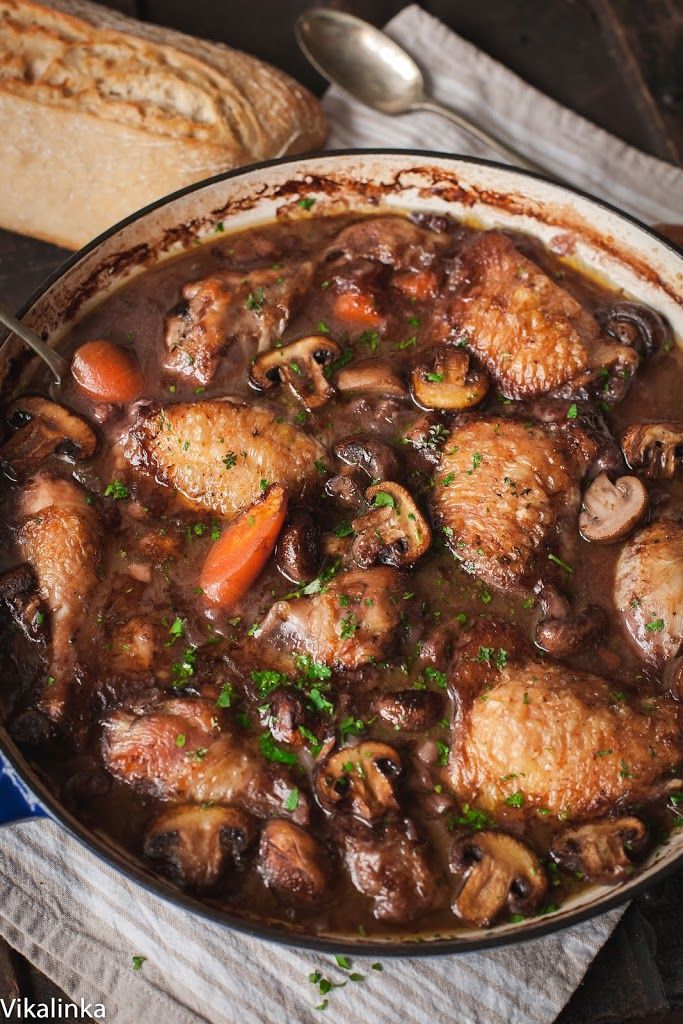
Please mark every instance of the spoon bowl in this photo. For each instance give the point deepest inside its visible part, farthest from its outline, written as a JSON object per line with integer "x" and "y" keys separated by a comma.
{"x": 373, "y": 69}
{"x": 362, "y": 60}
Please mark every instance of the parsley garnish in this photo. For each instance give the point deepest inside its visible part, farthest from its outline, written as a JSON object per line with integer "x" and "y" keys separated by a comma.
{"x": 116, "y": 490}
{"x": 273, "y": 752}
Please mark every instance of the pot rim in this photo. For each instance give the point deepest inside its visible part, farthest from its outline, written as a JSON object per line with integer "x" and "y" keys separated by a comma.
{"x": 532, "y": 928}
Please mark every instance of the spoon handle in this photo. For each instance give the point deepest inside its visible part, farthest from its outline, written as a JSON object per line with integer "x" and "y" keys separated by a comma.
{"x": 57, "y": 363}
{"x": 508, "y": 154}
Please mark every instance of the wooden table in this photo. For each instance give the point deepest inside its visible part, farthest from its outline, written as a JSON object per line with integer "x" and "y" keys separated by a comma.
{"x": 617, "y": 62}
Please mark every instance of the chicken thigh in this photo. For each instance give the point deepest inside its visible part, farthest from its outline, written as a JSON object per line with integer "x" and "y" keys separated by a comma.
{"x": 250, "y": 308}
{"x": 177, "y": 750}
{"x": 349, "y": 623}
{"x": 216, "y": 454}
{"x": 537, "y": 735}
{"x": 501, "y": 488}
{"x": 648, "y": 589}
{"x": 530, "y": 333}
{"x": 59, "y": 536}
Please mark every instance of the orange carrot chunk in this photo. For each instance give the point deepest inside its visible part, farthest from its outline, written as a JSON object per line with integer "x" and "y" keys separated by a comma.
{"x": 107, "y": 372}
{"x": 357, "y": 310}
{"x": 238, "y": 557}
{"x": 418, "y": 284}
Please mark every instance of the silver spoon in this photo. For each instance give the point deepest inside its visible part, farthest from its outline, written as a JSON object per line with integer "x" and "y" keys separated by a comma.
{"x": 57, "y": 363}
{"x": 372, "y": 68}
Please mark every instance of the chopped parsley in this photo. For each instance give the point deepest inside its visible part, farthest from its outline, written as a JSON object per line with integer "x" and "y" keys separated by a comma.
{"x": 558, "y": 561}
{"x": 224, "y": 698}
{"x": 183, "y": 671}
{"x": 116, "y": 490}
{"x": 255, "y": 300}
{"x": 384, "y": 500}
{"x": 180, "y": 739}
{"x": 656, "y": 626}
{"x": 350, "y": 726}
{"x": 493, "y": 656}
{"x": 229, "y": 460}
{"x": 307, "y": 203}
{"x": 348, "y": 627}
{"x": 515, "y": 799}
{"x": 138, "y": 961}
{"x": 572, "y": 411}
{"x": 272, "y": 751}
{"x": 268, "y": 680}
{"x": 292, "y": 801}
{"x": 472, "y": 818}
{"x": 443, "y": 750}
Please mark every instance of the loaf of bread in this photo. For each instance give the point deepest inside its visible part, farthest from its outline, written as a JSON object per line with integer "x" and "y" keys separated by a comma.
{"x": 101, "y": 114}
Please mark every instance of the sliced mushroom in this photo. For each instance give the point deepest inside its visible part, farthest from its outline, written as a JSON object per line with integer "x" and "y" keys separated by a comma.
{"x": 298, "y": 547}
{"x": 568, "y": 634}
{"x": 449, "y": 381}
{"x": 39, "y": 428}
{"x": 197, "y": 844}
{"x": 411, "y": 710}
{"x": 361, "y": 777}
{"x": 375, "y": 457}
{"x": 495, "y": 872}
{"x": 292, "y": 862}
{"x": 301, "y": 365}
{"x": 656, "y": 449}
{"x": 601, "y": 850}
{"x": 376, "y": 376}
{"x": 640, "y": 328}
{"x": 393, "y": 531}
{"x": 609, "y": 511}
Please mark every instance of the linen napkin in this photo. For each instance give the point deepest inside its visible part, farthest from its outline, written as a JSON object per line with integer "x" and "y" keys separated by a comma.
{"x": 81, "y": 924}
{"x": 461, "y": 76}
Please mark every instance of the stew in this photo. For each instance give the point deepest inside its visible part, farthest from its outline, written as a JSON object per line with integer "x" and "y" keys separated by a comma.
{"x": 344, "y": 583}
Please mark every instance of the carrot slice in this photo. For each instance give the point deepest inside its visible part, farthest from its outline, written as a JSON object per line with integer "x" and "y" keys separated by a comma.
{"x": 418, "y": 284}
{"x": 237, "y": 558}
{"x": 357, "y": 310}
{"x": 107, "y": 372}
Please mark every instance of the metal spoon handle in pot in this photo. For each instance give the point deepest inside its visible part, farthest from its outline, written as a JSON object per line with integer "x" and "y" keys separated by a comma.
{"x": 58, "y": 365}
{"x": 506, "y": 152}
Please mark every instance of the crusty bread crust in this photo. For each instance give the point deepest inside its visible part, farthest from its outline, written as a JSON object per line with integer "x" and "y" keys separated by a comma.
{"x": 101, "y": 114}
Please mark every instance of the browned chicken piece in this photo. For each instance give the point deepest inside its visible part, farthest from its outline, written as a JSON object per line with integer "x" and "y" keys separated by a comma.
{"x": 177, "y": 750}
{"x": 351, "y": 622}
{"x": 132, "y": 646}
{"x": 648, "y": 589}
{"x": 537, "y": 735}
{"x": 59, "y": 536}
{"x": 502, "y": 486}
{"x": 389, "y": 864}
{"x": 216, "y": 454}
{"x": 530, "y": 333}
{"x": 251, "y": 308}
{"x": 393, "y": 241}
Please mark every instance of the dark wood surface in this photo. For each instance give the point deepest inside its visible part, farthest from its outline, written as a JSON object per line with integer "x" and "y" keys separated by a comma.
{"x": 618, "y": 63}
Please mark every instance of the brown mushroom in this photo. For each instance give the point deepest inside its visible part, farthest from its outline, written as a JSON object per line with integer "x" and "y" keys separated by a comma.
{"x": 601, "y": 851}
{"x": 346, "y": 488}
{"x": 655, "y": 448}
{"x": 449, "y": 381}
{"x": 298, "y": 547}
{"x": 301, "y": 365}
{"x": 377, "y": 458}
{"x": 568, "y": 634}
{"x": 672, "y": 677}
{"x": 411, "y": 710}
{"x": 197, "y": 844}
{"x": 636, "y": 326}
{"x": 39, "y": 428}
{"x": 373, "y": 375}
{"x": 393, "y": 531}
{"x": 609, "y": 511}
{"x": 284, "y": 714}
{"x": 292, "y": 862}
{"x": 495, "y": 872}
{"x": 361, "y": 777}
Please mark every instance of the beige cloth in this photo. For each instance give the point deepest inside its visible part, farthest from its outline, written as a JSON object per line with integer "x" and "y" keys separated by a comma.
{"x": 463, "y": 77}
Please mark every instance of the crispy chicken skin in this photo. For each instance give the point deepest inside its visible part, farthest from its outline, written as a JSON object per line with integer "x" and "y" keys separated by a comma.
{"x": 250, "y": 308}
{"x": 558, "y": 737}
{"x": 530, "y": 333}
{"x": 348, "y": 624}
{"x": 501, "y": 487}
{"x": 177, "y": 750}
{"x": 648, "y": 589}
{"x": 215, "y": 454}
{"x": 59, "y": 536}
